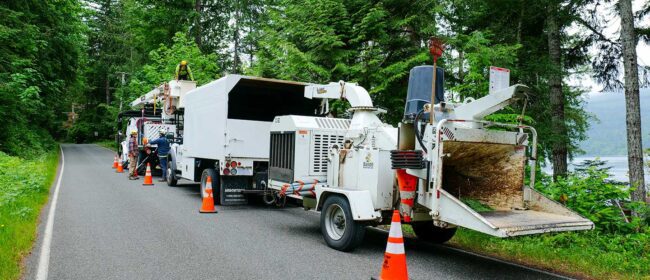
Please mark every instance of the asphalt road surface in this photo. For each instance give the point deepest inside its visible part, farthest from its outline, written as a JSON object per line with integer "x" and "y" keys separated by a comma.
{"x": 107, "y": 227}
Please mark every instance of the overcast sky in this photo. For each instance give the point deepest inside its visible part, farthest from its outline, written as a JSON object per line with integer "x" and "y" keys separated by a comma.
{"x": 608, "y": 12}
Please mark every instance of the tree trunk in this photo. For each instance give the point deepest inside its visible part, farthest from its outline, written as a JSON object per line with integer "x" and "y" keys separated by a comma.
{"x": 559, "y": 148}
{"x": 108, "y": 90}
{"x": 197, "y": 31}
{"x": 235, "y": 63}
{"x": 632, "y": 106}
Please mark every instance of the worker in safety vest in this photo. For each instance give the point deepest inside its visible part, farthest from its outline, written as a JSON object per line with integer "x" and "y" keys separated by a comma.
{"x": 163, "y": 150}
{"x": 133, "y": 155}
{"x": 183, "y": 72}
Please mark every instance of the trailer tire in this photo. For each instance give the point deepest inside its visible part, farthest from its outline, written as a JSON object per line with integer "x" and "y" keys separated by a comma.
{"x": 215, "y": 184}
{"x": 426, "y": 231}
{"x": 339, "y": 229}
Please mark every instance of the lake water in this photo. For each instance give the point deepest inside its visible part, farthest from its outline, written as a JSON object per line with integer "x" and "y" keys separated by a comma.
{"x": 619, "y": 170}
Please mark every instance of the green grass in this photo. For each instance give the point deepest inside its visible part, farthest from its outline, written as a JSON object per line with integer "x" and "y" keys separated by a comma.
{"x": 24, "y": 189}
{"x": 109, "y": 144}
{"x": 591, "y": 254}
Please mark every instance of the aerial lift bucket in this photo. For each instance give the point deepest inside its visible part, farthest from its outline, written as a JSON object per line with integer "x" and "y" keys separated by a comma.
{"x": 483, "y": 189}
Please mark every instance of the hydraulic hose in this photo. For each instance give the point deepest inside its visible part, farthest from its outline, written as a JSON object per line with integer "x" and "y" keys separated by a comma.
{"x": 416, "y": 127}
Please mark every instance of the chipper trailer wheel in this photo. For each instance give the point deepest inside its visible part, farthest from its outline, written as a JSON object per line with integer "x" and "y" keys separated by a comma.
{"x": 215, "y": 184}
{"x": 339, "y": 229}
{"x": 426, "y": 231}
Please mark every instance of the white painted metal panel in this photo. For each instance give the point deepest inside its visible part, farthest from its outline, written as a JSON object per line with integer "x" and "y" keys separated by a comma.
{"x": 361, "y": 204}
{"x": 247, "y": 139}
{"x": 206, "y": 111}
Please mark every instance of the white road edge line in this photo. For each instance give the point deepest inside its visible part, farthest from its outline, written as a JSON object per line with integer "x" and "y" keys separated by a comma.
{"x": 44, "y": 260}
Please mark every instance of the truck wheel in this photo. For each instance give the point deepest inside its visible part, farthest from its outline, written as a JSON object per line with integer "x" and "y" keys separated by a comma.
{"x": 215, "y": 184}
{"x": 426, "y": 231}
{"x": 172, "y": 180}
{"x": 171, "y": 177}
{"x": 338, "y": 227}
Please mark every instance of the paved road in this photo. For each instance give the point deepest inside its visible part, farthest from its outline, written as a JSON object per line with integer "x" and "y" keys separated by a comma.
{"x": 107, "y": 227}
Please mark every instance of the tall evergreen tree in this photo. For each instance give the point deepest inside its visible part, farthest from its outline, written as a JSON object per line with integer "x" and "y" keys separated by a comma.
{"x": 632, "y": 106}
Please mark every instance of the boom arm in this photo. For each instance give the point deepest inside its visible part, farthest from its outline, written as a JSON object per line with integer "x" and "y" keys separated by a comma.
{"x": 148, "y": 97}
{"x": 478, "y": 109}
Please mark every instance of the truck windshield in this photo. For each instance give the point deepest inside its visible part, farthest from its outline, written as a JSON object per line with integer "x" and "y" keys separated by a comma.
{"x": 263, "y": 100}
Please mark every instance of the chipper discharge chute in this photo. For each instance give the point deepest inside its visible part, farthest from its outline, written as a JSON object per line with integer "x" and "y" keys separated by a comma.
{"x": 471, "y": 172}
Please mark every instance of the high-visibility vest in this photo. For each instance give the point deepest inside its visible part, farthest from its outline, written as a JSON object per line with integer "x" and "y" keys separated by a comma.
{"x": 184, "y": 71}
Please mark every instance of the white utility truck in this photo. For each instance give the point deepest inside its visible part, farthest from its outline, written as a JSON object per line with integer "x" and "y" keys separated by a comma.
{"x": 356, "y": 171}
{"x": 225, "y": 134}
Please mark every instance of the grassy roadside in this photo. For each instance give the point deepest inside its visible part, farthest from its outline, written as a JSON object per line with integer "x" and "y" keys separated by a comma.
{"x": 24, "y": 189}
{"x": 109, "y": 144}
{"x": 591, "y": 255}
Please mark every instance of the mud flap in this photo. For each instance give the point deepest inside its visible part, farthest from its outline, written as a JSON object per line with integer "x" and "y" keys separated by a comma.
{"x": 231, "y": 190}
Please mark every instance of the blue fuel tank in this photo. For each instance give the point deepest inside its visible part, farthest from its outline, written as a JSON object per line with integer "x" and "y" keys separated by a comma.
{"x": 419, "y": 89}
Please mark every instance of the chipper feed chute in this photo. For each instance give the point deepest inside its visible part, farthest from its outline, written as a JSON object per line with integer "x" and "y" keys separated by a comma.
{"x": 483, "y": 189}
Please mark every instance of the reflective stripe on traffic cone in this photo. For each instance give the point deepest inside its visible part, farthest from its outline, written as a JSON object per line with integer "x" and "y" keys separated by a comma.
{"x": 407, "y": 184}
{"x": 208, "y": 199}
{"x": 115, "y": 162}
{"x": 148, "y": 180}
{"x": 394, "y": 266}
{"x": 120, "y": 168}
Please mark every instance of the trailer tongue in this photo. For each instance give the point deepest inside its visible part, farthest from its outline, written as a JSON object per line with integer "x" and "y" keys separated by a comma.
{"x": 458, "y": 171}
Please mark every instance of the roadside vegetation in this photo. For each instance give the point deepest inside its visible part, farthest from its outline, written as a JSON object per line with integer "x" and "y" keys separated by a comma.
{"x": 24, "y": 188}
{"x": 108, "y": 144}
{"x": 618, "y": 247}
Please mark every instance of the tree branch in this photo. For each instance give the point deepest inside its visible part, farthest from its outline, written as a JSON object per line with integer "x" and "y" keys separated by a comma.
{"x": 601, "y": 36}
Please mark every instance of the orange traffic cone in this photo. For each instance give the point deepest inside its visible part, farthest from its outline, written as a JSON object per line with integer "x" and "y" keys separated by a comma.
{"x": 120, "y": 168}
{"x": 148, "y": 180}
{"x": 114, "y": 162}
{"x": 208, "y": 199}
{"x": 394, "y": 266}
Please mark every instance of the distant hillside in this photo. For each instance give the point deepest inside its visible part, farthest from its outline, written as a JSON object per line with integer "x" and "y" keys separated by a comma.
{"x": 607, "y": 135}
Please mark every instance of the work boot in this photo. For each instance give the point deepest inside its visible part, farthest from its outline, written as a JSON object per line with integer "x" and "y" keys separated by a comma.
{"x": 162, "y": 180}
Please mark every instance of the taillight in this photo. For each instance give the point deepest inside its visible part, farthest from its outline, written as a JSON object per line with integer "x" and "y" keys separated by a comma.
{"x": 233, "y": 164}
{"x": 226, "y": 172}
{"x": 227, "y": 164}
{"x": 233, "y": 171}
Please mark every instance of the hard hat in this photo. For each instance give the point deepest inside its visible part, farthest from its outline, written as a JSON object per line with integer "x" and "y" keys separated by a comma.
{"x": 184, "y": 62}
{"x": 162, "y": 131}
{"x": 134, "y": 132}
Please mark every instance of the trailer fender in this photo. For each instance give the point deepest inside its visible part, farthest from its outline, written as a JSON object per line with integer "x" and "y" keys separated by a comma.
{"x": 360, "y": 202}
